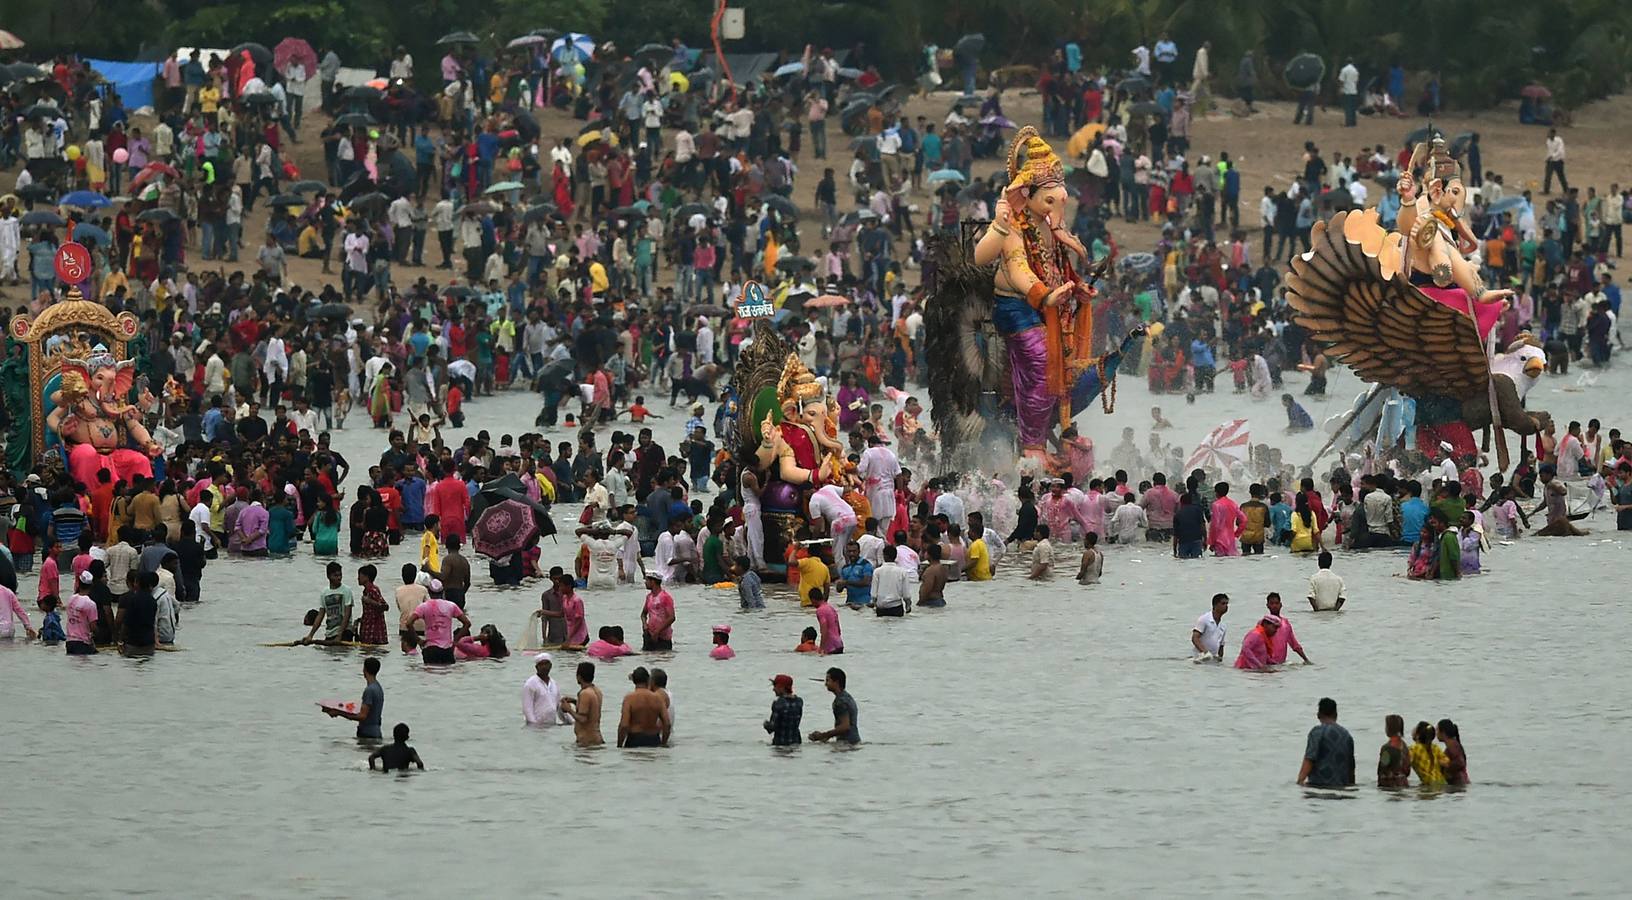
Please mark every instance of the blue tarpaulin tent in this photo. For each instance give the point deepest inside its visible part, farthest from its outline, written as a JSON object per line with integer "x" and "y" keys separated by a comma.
{"x": 133, "y": 80}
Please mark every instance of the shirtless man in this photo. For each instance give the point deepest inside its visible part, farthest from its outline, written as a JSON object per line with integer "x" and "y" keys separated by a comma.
{"x": 932, "y": 588}
{"x": 586, "y": 708}
{"x": 645, "y": 716}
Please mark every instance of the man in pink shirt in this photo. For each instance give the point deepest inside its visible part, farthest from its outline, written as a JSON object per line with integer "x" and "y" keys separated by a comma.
{"x": 1283, "y": 637}
{"x": 1224, "y": 531}
{"x": 827, "y": 622}
{"x": 1255, "y": 646}
{"x": 1160, "y": 503}
{"x": 449, "y": 500}
{"x": 80, "y": 616}
{"x": 11, "y": 611}
{"x": 572, "y": 610}
{"x": 657, "y": 617}
{"x": 438, "y": 615}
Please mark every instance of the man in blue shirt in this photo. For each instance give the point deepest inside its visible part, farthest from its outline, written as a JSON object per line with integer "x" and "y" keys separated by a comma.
{"x": 424, "y": 160}
{"x": 487, "y": 149}
{"x": 1413, "y": 512}
{"x": 213, "y": 419}
{"x": 856, "y": 577}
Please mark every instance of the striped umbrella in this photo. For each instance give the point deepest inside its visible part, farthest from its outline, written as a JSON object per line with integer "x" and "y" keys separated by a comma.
{"x": 1224, "y": 446}
{"x": 9, "y": 41}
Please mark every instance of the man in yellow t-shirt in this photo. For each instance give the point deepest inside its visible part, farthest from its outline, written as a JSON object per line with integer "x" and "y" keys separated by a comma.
{"x": 977, "y": 563}
{"x": 813, "y": 573}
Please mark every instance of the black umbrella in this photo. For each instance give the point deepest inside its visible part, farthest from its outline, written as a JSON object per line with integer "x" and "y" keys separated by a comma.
{"x": 259, "y": 98}
{"x": 541, "y": 211}
{"x": 692, "y": 209}
{"x": 1134, "y": 84}
{"x": 1304, "y": 71}
{"x": 653, "y": 52}
{"x": 25, "y": 72}
{"x": 38, "y": 191}
{"x": 287, "y": 200}
{"x": 330, "y": 311}
{"x": 1146, "y": 108}
{"x": 509, "y": 487}
{"x": 40, "y": 109}
{"x": 461, "y": 292}
{"x": 794, "y": 263}
{"x": 362, "y": 92}
{"x": 863, "y": 141}
{"x": 457, "y": 37}
{"x": 630, "y": 212}
{"x": 1424, "y": 133}
{"x": 372, "y": 200}
{"x": 356, "y": 120}
{"x": 43, "y": 217}
{"x": 305, "y": 187}
{"x": 970, "y": 44}
{"x": 549, "y": 33}
{"x": 526, "y": 126}
{"x": 1459, "y": 144}
{"x": 783, "y": 205}
{"x": 258, "y": 53}
{"x": 157, "y": 214}
{"x": 359, "y": 185}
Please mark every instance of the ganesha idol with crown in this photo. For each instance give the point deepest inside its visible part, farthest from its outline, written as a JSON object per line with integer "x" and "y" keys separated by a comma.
{"x": 96, "y": 424}
{"x": 802, "y": 448}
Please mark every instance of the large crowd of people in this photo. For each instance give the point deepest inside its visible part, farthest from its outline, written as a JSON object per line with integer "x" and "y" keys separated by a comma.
{"x": 597, "y": 269}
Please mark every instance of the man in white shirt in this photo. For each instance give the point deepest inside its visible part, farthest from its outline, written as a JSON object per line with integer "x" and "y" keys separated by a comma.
{"x": 200, "y": 516}
{"x": 403, "y": 65}
{"x": 1348, "y": 85}
{"x": 1326, "y": 586}
{"x": 605, "y": 555}
{"x": 540, "y": 696}
{"x": 1207, "y": 638}
{"x": 889, "y": 153}
{"x": 1141, "y": 60}
{"x": 401, "y": 215}
{"x": 1555, "y": 163}
{"x": 1357, "y": 191}
{"x": 828, "y": 504}
{"x": 878, "y": 468}
{"x": 891, "y": 591}
{"x": 667, "y": 559}
{"x": 1128, "y": 524}
{"x": 705, "y": 343}
{"x": 354, "y": 275}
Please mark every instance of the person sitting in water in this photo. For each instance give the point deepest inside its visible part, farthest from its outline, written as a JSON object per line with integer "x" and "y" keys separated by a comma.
{"x": 609, "y": 643}
{"x": 397, "y": 754}
{"x": 722, "y": 643}
{"x": 807, "y": 641}
{"x": 486, "y": 644}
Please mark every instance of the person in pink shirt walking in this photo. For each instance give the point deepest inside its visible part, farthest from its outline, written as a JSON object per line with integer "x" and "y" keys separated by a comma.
{"x": 1224, "y": 532}
{"x": 1255, "y": 647}
{"x": 1284, "y": 637}
{"x": 827, "y": 620}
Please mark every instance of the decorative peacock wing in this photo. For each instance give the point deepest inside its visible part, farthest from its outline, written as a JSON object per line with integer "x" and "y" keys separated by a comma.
{"x": 1349, "y": 291}
{"x": 964, "y": 357}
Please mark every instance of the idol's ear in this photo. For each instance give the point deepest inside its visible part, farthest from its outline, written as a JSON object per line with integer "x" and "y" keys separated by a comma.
{"x": 124, "y": 375}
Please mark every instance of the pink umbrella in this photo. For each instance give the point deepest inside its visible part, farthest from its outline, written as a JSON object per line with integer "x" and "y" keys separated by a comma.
{"x": 1222, "y": 447}
{"x": 292, "y": 50}
{"x": 827, "y": 301}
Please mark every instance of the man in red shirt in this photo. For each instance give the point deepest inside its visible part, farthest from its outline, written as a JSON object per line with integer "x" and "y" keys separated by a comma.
{"x": 449, "y": 499}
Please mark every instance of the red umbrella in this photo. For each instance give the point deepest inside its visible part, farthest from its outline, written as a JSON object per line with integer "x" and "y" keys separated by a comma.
{"x": 1223, "y": 446}
{"x": 504, "y": 528}
{"x": 152, "y": 171}
{"x": 1535, "y": 92}
{"x": 293, "y": 50}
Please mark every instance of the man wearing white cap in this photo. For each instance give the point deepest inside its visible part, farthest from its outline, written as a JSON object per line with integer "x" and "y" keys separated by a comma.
{"x": 541, "y": 697}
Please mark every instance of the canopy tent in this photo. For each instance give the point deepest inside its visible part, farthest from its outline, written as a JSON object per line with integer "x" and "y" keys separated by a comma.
{"x": 133, "y": 80}
{"x": 745, "y": 67}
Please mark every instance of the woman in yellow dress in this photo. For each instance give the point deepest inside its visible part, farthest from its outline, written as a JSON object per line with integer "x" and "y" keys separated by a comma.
{"x": 1427, "y": 758}
{"x": 1305, "y": 533}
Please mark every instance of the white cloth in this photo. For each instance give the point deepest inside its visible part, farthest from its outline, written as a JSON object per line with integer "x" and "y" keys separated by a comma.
{"x": 890, "y": 586}
{"x": 1325, "y": 587}
{"x": 604, "y": 554}
{"x": 541, "y": 702}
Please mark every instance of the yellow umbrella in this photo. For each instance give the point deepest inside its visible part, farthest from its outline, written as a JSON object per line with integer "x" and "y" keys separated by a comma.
{"x": 589, "y": 137}
{"x": 679, "y": 82}
{"x": 1078, "y": 145}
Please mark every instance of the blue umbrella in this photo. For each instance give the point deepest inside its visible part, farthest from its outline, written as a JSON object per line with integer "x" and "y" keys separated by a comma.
{"x": 85, "y": 200}
{"x": 573, "y": 44}
{"x": 940, "y": 176}
{"x": 86, "y": 233}
{"x": 1506, "y": 204}
{"x": 793, "y": 68}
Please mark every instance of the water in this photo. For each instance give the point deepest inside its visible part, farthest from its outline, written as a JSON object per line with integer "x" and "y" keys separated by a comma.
{"x": 1025, "y": 741}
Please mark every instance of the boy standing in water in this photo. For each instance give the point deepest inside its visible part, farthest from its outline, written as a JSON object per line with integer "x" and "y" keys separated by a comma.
{"x": 397, "y": 754}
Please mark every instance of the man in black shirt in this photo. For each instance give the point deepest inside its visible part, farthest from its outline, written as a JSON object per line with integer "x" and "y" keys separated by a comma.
{"x": 137, "y": 611}
{"x": 1189, "y": 528}
{"x": 251, "y": 428}
{"x": 786, "y": 712}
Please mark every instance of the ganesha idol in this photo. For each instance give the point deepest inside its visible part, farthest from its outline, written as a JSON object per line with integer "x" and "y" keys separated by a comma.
{"x": 96, "y": 424}
{"x": 803, "y": 448}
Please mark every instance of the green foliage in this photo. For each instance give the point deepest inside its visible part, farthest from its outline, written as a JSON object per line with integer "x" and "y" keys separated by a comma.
{"x": 1484, "y": 50}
